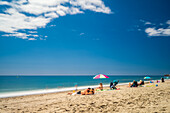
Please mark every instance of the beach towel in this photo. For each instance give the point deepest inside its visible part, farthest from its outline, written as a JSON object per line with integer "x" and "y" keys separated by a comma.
{"x": 152, "y": 85}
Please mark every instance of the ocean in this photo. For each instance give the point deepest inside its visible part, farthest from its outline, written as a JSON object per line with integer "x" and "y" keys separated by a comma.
{"x": 10, "y": 84}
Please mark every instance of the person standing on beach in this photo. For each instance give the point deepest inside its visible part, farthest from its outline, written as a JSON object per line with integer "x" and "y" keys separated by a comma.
{"x": 162, "y": 79}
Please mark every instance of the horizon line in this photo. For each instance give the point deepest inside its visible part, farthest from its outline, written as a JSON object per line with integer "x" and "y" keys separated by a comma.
{"x": 71, "y": 74}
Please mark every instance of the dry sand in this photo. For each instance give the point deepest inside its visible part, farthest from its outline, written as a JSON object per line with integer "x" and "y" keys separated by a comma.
{"x": 125, "y": 100}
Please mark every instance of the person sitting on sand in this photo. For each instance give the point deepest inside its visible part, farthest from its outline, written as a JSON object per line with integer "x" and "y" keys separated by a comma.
{"x": 115, "y": 82}
{"x": 100, "y": 87}
{"x": 157, "y": 81}
{"x": 134, "y": 84}
{"x": 141, "y": 82}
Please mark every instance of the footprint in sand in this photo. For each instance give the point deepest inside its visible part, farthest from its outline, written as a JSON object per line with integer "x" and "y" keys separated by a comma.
{"x": 130, "y": 103}
{"x": 92, "y": 104}
{"x": 142, "y": 107}
{"x": 5, "y": 106}
{"x": 162, "y": 109}
{"x": 103, "y": 106}
{"x": 40, "y": 109}
{"x": 115, "y": 102}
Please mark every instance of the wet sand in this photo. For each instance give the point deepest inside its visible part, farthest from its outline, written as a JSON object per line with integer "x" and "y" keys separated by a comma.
{"x": 126, "y": 100}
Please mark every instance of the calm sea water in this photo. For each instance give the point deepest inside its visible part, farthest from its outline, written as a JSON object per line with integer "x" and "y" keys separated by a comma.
{"x": 26, "y": 83}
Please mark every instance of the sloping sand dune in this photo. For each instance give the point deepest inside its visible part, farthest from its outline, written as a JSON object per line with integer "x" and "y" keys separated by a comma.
{"x": 125, "y": 100}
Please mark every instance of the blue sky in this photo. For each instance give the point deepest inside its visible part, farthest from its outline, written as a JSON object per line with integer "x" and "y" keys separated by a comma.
{"x": 84, "y": 37}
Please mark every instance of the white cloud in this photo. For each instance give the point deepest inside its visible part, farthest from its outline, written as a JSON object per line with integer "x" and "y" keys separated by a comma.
{"x": 139, "y": 29}
{"x": 81, "y": 33}
{"x": 32, "y": 31}
{"x": 4, "y": 3}
{"x": 48, "y": 2}
{"x": 35, "y": 9}
{"x": 17, "y": 34}
{"x": 141, "y": 20}
{"x": 15, "y": 21}
{"x": 147, "y": 23}
{"x": 61, "y": 13}
{"x": 32, "y": 39}
{"x": 152, "y": 31}
{"x": 93, "y": 5}
{"x": 41, "y": 12}
{"x": 52, "y": 25}
{"x": 51, "y": 15}
{"x": 35, "y": 35}
{"x": 74, "y": 10}
{"x": 157, "y": 32}
{"x": 168, "y": 22}
{"x": 20, "y": 35}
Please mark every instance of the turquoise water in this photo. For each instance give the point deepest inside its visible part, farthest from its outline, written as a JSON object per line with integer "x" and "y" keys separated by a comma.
{"x": 26, "y": 83}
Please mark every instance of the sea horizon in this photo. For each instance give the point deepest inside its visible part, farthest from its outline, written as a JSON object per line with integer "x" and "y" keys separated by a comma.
{"x": 80, "y": 74}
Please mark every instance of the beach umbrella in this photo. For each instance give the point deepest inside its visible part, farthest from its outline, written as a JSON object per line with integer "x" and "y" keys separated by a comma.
{"x": 167, "y": 76}
{"x": 147, "y": 78}
{"x": 100, "y": 76}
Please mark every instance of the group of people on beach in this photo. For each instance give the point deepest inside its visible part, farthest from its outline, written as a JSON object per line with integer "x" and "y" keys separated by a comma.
{"x": 112, "y": 85}
{"x": 135, "y": 84}
{"x": 91, "y": 91}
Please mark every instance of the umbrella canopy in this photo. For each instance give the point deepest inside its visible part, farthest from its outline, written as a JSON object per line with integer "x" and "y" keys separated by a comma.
{"x": 115, "y": 81}
{"x": 100, "y": 76}
{"x": 147, "y": 77}
{"x": 168, "y": 75}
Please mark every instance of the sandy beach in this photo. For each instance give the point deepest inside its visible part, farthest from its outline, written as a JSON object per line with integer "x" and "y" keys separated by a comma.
{"x": 126, "y": 100}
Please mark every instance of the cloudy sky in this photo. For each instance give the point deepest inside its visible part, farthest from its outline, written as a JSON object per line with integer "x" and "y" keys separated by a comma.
{"x": 84, "y": 37}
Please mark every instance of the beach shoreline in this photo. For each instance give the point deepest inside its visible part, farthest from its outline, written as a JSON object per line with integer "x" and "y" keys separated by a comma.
{"x": 142, "y": 99}
{"x": 46, "y": 91}
{"x": 53, "y": 90}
